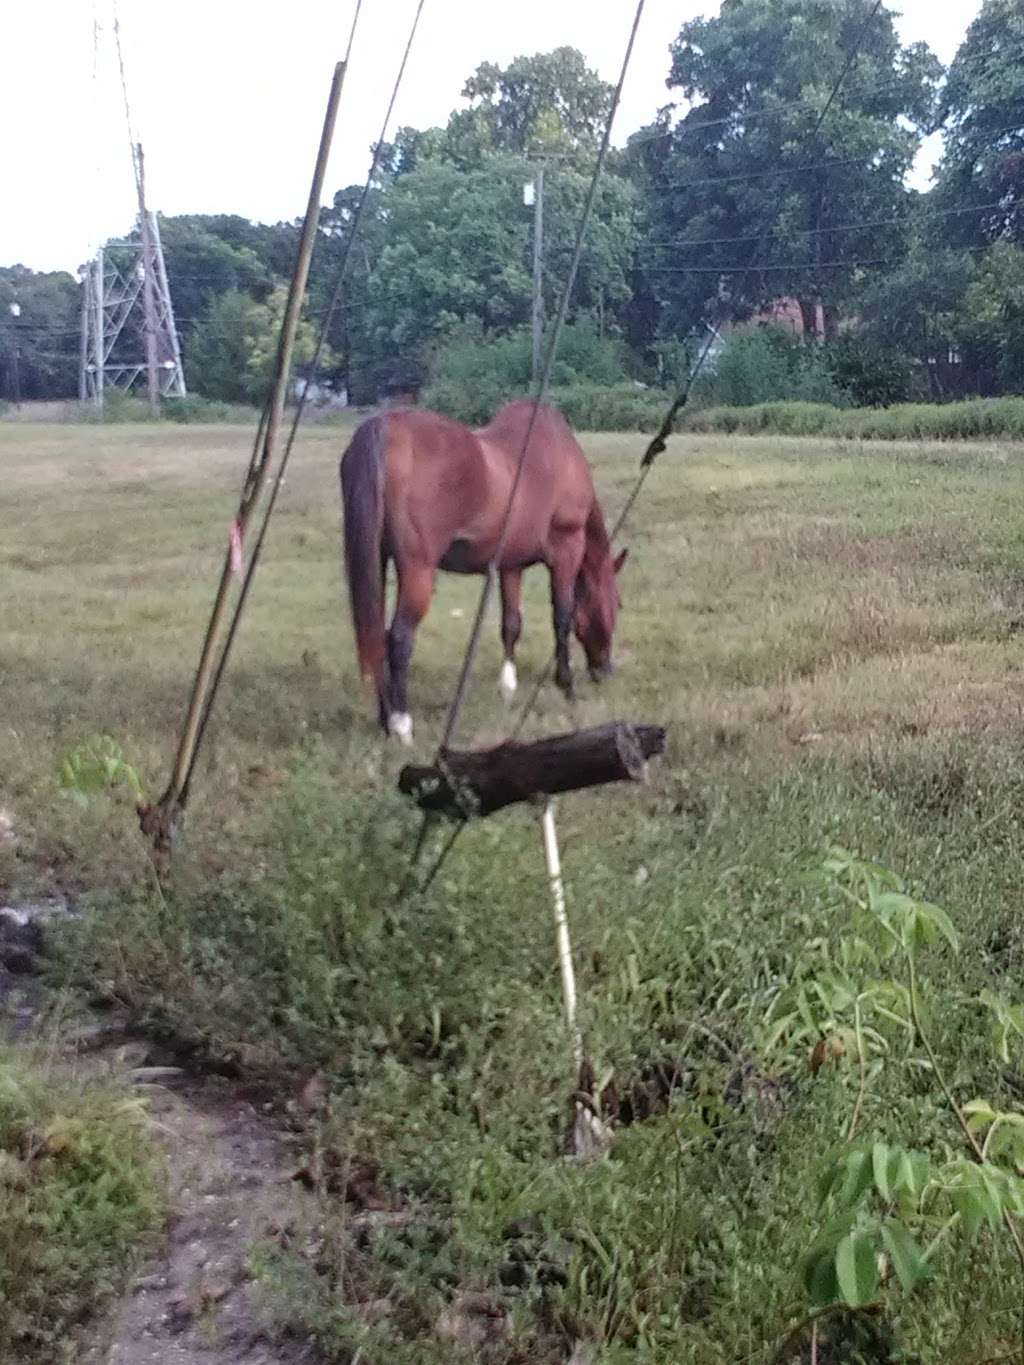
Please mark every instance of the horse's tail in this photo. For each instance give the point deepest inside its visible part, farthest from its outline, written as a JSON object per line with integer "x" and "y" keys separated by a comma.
{"x": 362, "y": 495}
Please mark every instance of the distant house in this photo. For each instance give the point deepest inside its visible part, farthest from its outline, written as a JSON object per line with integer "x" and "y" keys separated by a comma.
{"x": 401, "y": 393}
{"x": 321, "y": 395}
{"x": 787, "y": 313}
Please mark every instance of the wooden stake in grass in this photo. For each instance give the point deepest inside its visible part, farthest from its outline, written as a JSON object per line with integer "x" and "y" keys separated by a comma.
{"x": 158, "y": 821}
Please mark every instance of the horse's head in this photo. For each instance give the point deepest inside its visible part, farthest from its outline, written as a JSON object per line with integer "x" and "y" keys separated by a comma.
{"x": 597, "y": 607}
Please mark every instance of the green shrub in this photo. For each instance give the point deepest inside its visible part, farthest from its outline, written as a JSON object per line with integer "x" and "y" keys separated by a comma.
{"x": 194, "y": 408}
{"x": 436, "y": 1023}
{"x": 473, "y": 375}
{"x": 118, "y": 407}
{"x": 79, "y": 1197}
{"x": 867, "y": 372}
{"x": 618, "y": 407}
{"x": 793, "y": 419}
{"x": 977, "y": 418}
{"x": 764, "y": 365}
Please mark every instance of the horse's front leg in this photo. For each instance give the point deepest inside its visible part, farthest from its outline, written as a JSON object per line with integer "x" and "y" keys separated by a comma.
{"x": 511, "y": 628}
{"x": 415, "y": 589}
{"x": 565, "y": 566}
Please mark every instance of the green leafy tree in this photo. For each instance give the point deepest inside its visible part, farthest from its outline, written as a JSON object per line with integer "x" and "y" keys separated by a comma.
{"x": 43, "y": 339}
{"x": 210, "y": 256}
{"x": 917, "y": 311}
{"x": 355, "y": 365}
{"x": 217, "y": 352}
{"x": 263, "y": 339}
{"x": 991, "y": 319}
{"x": 981, "y": 176}
{"x": 231, "y": 353}
{"x": 550, "y": 103}
{"x": 456, "y": 247}
{"x": 748, "y": 176}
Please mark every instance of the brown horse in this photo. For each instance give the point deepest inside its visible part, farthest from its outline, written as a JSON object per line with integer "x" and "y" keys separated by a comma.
{"x": 430, "y": 494}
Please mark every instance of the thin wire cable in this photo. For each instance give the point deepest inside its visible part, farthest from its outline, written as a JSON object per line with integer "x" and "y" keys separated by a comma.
{"x": 545, "y": 674}
{"x": 132, "y": 138}
{"x": 275, "y": 489}
{"x": 659, "y": 441}
{"x": 462, "y": 686}
{"x": 910, "y": 219}
{"x": 683, "y": 128}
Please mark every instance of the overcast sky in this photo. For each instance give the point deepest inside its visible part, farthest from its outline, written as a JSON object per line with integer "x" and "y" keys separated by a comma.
{"x": 227, "y": 96}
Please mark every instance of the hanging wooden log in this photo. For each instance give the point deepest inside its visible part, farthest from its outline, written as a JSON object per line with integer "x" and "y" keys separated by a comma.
{"x": 465, "y": 783}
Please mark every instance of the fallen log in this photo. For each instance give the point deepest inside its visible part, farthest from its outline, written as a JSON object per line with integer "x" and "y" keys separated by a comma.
{"x": 467, "y": 783}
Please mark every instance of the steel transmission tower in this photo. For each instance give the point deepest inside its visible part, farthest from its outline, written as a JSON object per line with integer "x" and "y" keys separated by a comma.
{"x": 126, "y": 299}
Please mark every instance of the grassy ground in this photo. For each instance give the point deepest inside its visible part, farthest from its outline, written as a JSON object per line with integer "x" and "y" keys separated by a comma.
{"x": 831, "y": 631}
{"x": 80, "y": 1197}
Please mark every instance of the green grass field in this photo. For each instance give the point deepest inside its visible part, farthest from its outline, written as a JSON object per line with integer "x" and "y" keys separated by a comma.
{"x": 832, "y": 631}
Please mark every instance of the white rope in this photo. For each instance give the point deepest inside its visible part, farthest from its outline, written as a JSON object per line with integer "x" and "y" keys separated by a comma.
{"x": 562, "y": 929}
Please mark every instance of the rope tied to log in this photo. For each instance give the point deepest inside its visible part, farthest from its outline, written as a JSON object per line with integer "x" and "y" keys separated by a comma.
{"x": 485, "y": 781}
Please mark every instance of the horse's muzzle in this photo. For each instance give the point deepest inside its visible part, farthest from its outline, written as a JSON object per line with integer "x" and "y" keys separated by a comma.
{"x": 598, "y": 672}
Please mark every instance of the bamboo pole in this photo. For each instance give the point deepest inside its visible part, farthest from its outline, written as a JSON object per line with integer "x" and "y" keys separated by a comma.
{"x": 157, "y": 821}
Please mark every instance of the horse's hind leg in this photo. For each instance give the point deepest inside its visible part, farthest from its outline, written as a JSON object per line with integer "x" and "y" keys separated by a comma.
{"x": 415, "y": 589}
{"x": 511, "y": 628}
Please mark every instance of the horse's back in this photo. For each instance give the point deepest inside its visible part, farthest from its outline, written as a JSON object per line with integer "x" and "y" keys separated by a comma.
{"x": 555, "y": 459}
{"x": 550, "y": 431}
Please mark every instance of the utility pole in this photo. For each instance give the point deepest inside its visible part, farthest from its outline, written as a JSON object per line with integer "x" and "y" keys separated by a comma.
{"x": 83, "y": 345}
{"x": 534, "y": 194}
{"x": 99, "y": 338}
{"x": 148, "y": 286}
{"x": 15, "y": 315}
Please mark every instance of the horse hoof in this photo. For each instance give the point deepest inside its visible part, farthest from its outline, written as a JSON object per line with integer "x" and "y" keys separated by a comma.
{"x": 400, "y": 725}
{"x": 508, "y": 682}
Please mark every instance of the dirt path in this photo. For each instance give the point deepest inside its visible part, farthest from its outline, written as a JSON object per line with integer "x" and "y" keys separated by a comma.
{"x": 230, "y": 1164}
{"x": 230, "y": 1170}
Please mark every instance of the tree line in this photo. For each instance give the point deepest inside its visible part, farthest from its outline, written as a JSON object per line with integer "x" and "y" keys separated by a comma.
{"x": 761, "y": 190}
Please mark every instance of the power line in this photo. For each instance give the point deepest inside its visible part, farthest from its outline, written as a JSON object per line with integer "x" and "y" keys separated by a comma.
{"x": 685, "y": 128}
{"x": 278, "y": 481}
{"x": 825, "y": 163}
{"x": 462, "y": 686}
{"x": 760, "y": 269}
{"x": 660, "y": 440}
{"x": 910, "y": 219}
{"x": 132, "y": 139}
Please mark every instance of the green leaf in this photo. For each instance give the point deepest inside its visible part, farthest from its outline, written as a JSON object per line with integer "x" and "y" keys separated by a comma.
{"x": 857, "y": 1178}
{"x": 820, "y": 1278}
{"x": 94, "y": 766}
{"x": 907, "y": 1258}
{"x": 939, "y": 921}
{"x": 880, "y": 1166}
{"x": 910, "y": 1175}
{"x": 857, "y": 1269}
{"x": 980, "y": 1115}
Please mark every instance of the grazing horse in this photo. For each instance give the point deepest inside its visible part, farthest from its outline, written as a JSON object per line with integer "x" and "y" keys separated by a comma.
{"x": 430, "y": 494}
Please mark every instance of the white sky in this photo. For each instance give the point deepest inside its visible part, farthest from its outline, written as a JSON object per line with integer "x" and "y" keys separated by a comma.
{"x": 228, "y": 96}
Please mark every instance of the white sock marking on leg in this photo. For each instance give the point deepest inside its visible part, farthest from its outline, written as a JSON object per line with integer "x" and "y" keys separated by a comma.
{"x": 508, "y": 682}
{"x": 400, "y": 725}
